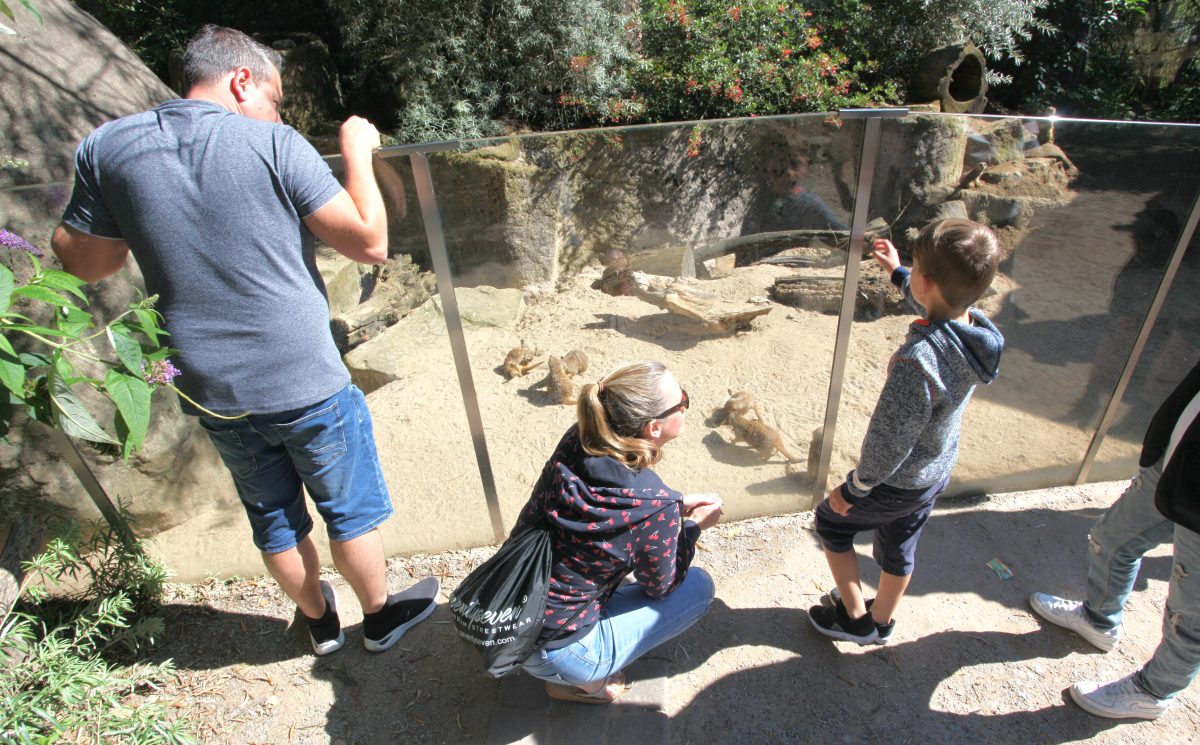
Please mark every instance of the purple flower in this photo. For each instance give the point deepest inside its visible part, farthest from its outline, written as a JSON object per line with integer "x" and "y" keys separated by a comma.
{"x": 9, "y": 239}
{"x": 160, "y": 372}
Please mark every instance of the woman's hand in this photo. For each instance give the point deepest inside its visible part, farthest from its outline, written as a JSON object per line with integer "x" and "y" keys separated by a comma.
{"x": 703, "y": 509}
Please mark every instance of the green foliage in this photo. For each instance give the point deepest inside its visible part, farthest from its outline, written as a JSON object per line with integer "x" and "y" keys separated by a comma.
{"x": 1089, "y": 68}
{"x": 59, "y": 683}
{"x": 546, "y": 63}
{"x": 39, "y": 365}
{"x": 714, "y": 58}
{"x": 898, "y": 34}
{"x": 5, "y": 10}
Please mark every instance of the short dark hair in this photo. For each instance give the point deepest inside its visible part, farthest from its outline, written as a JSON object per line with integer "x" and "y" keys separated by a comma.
{"x": 215, "y": 50}
{"x": 961, "y": 257}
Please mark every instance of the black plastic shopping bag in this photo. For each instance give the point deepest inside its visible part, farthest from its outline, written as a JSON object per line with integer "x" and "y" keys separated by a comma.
{"x": 500, "y": 606}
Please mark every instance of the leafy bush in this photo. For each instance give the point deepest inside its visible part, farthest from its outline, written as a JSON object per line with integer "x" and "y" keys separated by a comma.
{"x": 714, "y": 58}
{"x": 39, "y": 363}
{"x": 545, "y": 63}
{"x": 898, "y": 34}
{"x": 59, "y": 683}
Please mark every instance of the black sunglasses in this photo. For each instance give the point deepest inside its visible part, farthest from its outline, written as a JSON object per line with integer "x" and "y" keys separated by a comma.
{"x": 681, "y": 406}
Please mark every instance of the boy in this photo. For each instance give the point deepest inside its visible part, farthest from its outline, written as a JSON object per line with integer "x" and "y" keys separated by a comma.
{"x": 912, "y": 441}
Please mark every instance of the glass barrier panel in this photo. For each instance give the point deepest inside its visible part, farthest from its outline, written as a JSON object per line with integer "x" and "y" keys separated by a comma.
{"x": 1086, "y": 214}
{"x": 715, "y": 248}
{"x": 388, "y": 321}
{"x": 1171, "y": 351}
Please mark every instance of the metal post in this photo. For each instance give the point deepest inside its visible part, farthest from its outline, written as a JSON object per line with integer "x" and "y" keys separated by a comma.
{"x": 1139, "y": 344}
{"x": 858, "y": 229}
{"x": 458, "y": 343}
{"x": 91, "y": 485}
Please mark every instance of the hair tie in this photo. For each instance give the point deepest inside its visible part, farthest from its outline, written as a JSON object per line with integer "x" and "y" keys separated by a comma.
{"x": 600, "y": 389}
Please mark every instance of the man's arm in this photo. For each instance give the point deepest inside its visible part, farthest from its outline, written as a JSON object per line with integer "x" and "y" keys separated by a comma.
{"x": 88, "y": 257}
{"x": 354, "y": 222}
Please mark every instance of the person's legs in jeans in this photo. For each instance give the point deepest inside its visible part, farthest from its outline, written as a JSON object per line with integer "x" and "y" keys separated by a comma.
{"x": 1131, "y": 527}
{"x": 329, "y": 448}
{"x": 1177, "y": 659}
{"x": 631, "y": 624}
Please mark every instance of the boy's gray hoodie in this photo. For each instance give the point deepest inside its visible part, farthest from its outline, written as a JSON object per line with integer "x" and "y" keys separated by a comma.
{"x": 912, "y": 441}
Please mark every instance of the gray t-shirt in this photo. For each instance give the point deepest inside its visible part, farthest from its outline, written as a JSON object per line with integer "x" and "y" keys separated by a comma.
{"x": 211, "y": 204}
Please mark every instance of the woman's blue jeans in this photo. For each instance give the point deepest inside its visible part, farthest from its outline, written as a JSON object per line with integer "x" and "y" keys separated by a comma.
{"x": 1119, "y": 539}
{"x": 631, "y": 624}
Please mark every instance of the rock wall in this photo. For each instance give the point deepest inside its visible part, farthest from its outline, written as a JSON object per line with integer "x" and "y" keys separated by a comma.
{"x": 61, "y": 79}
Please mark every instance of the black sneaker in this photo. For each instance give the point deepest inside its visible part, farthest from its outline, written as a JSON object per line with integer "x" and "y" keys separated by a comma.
{"x": 835, "y": 622}
{"x": 400, "y": 613}
{"x": 833, "y": 597}
{"x": 325, "y": 633}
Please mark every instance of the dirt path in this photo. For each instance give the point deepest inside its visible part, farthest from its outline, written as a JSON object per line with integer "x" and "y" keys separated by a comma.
{"x": 969, "y": 662}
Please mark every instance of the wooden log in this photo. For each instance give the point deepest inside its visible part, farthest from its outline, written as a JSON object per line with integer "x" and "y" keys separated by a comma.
{"x": 685, "y": 298}
{"x": 25, "y": 539}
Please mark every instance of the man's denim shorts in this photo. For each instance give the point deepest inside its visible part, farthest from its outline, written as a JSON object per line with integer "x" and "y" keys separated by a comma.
{"x": 327, "y": 448}
{"x": 896, "y": 515}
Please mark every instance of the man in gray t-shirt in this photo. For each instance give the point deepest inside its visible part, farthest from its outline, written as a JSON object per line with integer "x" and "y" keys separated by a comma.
{"x": 221, "y": 205}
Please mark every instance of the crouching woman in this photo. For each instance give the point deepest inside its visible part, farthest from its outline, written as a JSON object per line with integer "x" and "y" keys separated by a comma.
{"x": 610, "y": 515}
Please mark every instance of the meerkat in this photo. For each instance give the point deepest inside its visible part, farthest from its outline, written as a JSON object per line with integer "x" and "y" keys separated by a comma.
{"x": 575, "y": 362}
{"x": 558, "y": 382}
{"x": 739, "y": 404}
{"x": 519, "y": 361}
{"x": 763, "y": 438}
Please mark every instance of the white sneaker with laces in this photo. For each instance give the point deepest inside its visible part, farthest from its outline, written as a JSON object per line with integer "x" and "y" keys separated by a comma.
{"x": 1069, "y": 614}
{"x": 1120, "y": 699}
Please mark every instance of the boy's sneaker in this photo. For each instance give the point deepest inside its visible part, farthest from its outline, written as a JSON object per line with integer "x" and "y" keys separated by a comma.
{"x": 1070, "y": 615}
{"x": 884, "y": 630}
{"x": 325, "y": 633}
{"x": 400, "y": 613}
{"x": 835, "y": 622}
{"x": 1120, "y": 699}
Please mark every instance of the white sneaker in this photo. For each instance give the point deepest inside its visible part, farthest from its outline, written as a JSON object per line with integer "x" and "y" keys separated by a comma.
{"x": 1069, "y": 614}
{"x": 1120, "y": 699}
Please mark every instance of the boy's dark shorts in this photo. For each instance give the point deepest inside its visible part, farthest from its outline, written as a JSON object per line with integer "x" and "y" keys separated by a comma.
{"x": 896, "y": 515}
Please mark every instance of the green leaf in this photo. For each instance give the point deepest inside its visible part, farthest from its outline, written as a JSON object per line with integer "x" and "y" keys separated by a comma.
{"x": 71, "y": 416}
{"x": 29, "y": 6}
{"x": 149, "y": 322}
{"x": 57, "y": 280}
{"x": 34, "y": 359}
{"x": 127, "y": 348}
{"x": 73, "y": 321}
{"x": 12, "y": 372}
{"x": 34, "y": 329}
{"x": 7, "y": 11}
{"x": 43, "y": 294}
{"x": 132, "y": 397}
{"x": 6, "y": 288}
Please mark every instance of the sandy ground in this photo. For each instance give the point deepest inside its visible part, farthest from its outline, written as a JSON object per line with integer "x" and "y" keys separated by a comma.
{"x": 969, "y": 661}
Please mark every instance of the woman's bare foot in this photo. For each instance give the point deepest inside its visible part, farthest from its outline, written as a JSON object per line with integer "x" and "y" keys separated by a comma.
{"x": 597, "y": 692}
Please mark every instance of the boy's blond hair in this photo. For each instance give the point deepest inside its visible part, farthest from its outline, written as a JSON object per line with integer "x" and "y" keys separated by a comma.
{"x": 961, "y": 257}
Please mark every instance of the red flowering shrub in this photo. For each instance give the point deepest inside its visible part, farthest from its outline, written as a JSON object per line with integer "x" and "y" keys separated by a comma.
{"x": 715, "y": 58}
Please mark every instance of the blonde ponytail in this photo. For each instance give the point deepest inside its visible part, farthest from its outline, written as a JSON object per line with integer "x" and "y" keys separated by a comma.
{"x": 613, "y": 412}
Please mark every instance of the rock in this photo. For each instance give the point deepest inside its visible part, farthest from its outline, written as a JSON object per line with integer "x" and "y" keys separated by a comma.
{"x": 1005, "y": 211}
{"x": 721, "y": 266}
{"x": 347, "y": 282}
{"x": 62, "y": 79}
{"x": 954, "y": 209}
{"x": 419, "y": 343}
{"x": 995, "y": 142}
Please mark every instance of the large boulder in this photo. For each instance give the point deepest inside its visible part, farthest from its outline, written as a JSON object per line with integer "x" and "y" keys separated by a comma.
{"x": 62, "y": 78}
